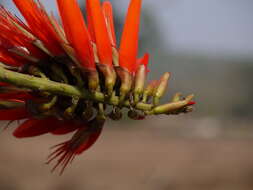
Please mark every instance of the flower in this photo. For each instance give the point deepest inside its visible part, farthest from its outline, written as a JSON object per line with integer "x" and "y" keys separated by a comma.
{"x": 129, "y": 41}
{"x": 59, "y": 79}
{"x": 98, "y": 30}
{"x": 78, "y": 36}
{"x": 39, "y": 24}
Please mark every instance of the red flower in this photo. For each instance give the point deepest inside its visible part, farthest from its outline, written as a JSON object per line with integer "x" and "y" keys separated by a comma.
{"x": 98, "y": 29}
{"x": 76, "y": 32}
{"x": 82, "y": 140}
{"x": 129, "y": 40}
{"x": 39, "y": 24}
{"x": 100, "y": 35}
{"x": 41, "y": 49}
{"x": 108, "y": 14}
{"x": 14, "y": 114}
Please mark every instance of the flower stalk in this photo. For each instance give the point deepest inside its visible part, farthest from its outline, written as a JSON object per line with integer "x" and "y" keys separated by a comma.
{"x": 45, "y": 85}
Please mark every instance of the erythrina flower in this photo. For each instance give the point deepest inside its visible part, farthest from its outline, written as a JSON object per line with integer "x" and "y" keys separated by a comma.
{"x": 98, "y": 27}
{"x": 129, "y": 40}
{"x": 108, "y": 14}
{"x": 60, "y": 79}
{"x": 39, "y": 24}
{"x": 76, "y": 31}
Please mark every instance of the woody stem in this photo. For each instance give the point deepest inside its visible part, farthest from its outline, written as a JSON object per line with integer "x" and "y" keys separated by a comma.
{"x": 45, "y": 85}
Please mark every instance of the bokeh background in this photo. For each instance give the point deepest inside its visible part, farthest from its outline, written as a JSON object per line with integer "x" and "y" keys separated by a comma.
{"x": 208, "y": 47}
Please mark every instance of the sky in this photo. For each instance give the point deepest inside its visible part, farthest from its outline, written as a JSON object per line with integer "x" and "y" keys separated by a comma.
{"x": 216, "y": 27}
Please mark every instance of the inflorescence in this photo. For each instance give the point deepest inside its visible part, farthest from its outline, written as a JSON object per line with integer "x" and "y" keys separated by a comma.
{"x": 71, "y": 77}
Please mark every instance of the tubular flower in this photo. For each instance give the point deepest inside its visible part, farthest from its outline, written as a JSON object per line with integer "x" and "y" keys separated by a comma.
{"x": 39, "y": 24}
{"x": 78, "y": 35}
{"x": 60, "y": 79}
{"x": 108, "y": 14}
{"x": 98, "y": 25}
{"x": 129, "y": 40}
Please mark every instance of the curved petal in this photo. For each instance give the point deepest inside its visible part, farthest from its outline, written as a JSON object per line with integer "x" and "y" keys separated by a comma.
{"x": 102, "y": 39}
{"x": 76, "y": 32}
{"x": 39, "y": 23}
{"x": 36, "y": 127}
{"x": 108, "y": 14}
{"x": 12, "y": 36}
{"x": 129, "y": 40}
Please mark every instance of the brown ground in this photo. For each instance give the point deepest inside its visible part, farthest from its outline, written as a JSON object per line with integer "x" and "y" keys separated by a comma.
{"x": 155, "y": 155}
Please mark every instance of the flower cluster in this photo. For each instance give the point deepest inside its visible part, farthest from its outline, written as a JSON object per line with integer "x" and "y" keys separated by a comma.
{"x": 61, "y": 78}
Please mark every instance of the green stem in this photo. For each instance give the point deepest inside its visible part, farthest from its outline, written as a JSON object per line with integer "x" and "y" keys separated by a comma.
{"x": 35, "y": 83}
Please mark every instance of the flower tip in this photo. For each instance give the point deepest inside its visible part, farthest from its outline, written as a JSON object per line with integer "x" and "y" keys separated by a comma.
{"x": 191, "y": 103}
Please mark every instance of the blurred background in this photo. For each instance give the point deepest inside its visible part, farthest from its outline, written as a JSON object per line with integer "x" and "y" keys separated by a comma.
{"x": 208, "y": 48}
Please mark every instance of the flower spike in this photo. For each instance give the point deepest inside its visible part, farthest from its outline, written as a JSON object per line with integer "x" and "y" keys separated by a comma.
{"x": 69, "y": 78}
{"x": 129, "y": 40}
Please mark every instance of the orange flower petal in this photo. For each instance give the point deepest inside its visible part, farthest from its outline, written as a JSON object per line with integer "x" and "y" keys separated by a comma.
{"x": 40, "y": 25}
{"x": 100, "y": 30}
{"x": 108, "y": 14}
{"x": 8, "y": 58}
{"x": 90, "y": 21}
{"x": 129, "y": 41}
{"x": 76, "y": 32}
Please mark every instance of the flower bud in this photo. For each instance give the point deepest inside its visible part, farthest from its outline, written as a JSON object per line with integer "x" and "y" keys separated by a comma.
{"x": 110, "y": 77}
{"x": 126, "y": 82}
{"x": 139, "y": 82}
{"x": 149, "y": 90}
{"x": 161, "y": 88}
{"x": 171, "y": 107}
{"x": 93, "y": 80}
